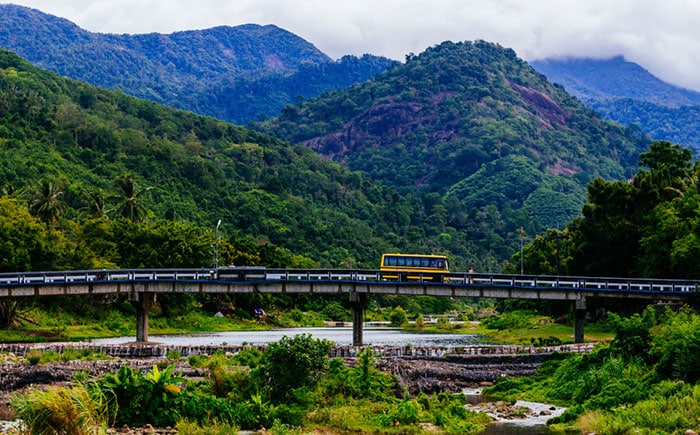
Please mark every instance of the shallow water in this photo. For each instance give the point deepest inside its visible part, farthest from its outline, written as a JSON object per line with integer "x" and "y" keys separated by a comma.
{"x": 372, "y": 336}
{"x": 530, "y": 425}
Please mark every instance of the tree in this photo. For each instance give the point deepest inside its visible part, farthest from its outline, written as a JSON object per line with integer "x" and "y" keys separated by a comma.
{"x": 45, "y": 201}
{"x": 292, "y": 363}
{"x": 24, "y": 246}
{"x": 24, "y": 241}
{"x": 398, "y": 316}
{"x": 628, "y": 227}
{"x": 131, "y": 206}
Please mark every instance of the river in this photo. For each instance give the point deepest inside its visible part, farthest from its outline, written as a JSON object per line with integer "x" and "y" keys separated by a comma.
{"x": 342, "y": 336}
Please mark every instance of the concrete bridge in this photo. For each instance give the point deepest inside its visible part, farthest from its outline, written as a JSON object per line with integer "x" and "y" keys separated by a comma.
{"x": 142, "y": 286}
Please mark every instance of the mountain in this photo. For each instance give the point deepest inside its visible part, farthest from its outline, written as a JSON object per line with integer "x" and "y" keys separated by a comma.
{"x": 238, "y": 73}
{"x": 624, "y": 92}
{"x": 475, "y": 126}
{"x": 96, "y": 154}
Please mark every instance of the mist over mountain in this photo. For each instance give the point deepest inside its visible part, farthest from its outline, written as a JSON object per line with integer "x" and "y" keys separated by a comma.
{"x": 627, "y": 93}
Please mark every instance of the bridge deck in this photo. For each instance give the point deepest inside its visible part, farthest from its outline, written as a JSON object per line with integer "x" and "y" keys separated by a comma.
{"x": 250, "y": 280}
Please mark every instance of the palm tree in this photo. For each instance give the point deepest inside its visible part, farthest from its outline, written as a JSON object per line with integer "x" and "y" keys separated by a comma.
{"x": 45, "y": 202}
{"x": 131, "y": 206}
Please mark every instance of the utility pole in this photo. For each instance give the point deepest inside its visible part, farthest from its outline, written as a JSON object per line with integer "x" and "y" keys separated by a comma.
{"x": 216, "y": 247}
{"x": 522, "y": 234}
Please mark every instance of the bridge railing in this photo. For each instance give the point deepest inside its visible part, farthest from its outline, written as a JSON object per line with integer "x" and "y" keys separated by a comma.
{"x": 254, "y": 273}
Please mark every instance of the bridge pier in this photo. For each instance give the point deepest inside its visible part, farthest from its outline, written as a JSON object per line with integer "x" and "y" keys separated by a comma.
{"x": 579, "y": 317}
{"x": 357, "y": 301}
{"x": 142, "y": 301}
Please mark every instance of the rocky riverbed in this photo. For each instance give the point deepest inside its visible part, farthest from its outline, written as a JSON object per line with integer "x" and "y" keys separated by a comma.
{"x": 429, "y": 372}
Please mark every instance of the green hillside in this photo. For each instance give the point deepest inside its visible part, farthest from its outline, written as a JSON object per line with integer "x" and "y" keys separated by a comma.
{"x": 80, "y": 157}
{"x": 624, "y": 92}
{"x": 236, "y": 74}
{"x": 490, "y": 141}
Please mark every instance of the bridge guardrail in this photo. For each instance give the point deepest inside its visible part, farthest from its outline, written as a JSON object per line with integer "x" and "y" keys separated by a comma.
{"x": 248, "y": 274}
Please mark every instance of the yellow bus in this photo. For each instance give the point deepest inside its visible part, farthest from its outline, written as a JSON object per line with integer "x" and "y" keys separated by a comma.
{"x": 414, "y": 267}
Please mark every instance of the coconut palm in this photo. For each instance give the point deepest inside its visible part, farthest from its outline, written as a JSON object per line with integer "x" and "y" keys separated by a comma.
{"x": 45, "y": 202}
{"x": 131, "y": 206}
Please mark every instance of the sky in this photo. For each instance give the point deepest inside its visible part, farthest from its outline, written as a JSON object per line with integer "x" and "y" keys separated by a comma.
{"x": 663, "y": 36}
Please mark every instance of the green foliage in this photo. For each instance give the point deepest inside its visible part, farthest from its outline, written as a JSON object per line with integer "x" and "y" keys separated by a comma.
{"x": 671, "y": 408}
{"x": 497, "y": 145}
{"x": 509, "y": 320}
{"x": 335, "y": 311}
{"x": 239, "y": 88}
{"x": 646, "y": 226}
{"x": 398, "y": 316}
{"x": 307, "y": 355}
{"x": 361, "y": 382}
{"x": 132, "y": 183}
{"x": 185, "y": 427}
{"x": 138, "y": 399}
{"x": 676, "y": 347}
{"x": 401, "y": 414}
{"x": 62, "y": 410}
{"x": 25, "y": 244}
{"x": 632, "y": 335}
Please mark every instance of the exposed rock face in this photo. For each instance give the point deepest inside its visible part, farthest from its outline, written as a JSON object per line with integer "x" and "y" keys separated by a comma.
{"x": 454, "y": 373}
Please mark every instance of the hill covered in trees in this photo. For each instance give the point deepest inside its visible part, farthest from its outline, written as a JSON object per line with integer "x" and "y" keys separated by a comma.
{"x": 488, "y": 142}
{"x": 626, "y": 93}
{"x": 94, "y": 178}
{"x": 236, "y": 74}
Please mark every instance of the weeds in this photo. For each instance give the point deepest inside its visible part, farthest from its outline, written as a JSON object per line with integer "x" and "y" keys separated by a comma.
{"x": 60, "y": 410}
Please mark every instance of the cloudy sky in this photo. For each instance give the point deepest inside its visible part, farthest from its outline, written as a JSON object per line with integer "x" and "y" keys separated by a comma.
{"x": 663, "y": 36}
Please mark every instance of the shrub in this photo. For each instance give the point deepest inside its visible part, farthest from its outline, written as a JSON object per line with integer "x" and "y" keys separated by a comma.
{"x": 307, "y": 356}
{"x": 186, "y": 427}
{"x": 62, "y": 410}
{"x": 398, "y": 316}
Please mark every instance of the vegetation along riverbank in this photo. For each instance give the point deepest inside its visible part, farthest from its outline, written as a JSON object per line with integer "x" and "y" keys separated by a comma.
{"x": 645, "y": 379}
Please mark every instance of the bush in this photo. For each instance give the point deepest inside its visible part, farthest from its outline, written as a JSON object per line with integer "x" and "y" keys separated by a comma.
{"x": 61, "y": 410}
{"x": 292, "y": 363}
{"x": 398, "y": 316}
{"x": 510, "y": 320}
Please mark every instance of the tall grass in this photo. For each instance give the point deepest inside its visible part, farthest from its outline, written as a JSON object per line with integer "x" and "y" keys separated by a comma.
{"x": 673, "y": 407}
{"x": 62, "y": 410}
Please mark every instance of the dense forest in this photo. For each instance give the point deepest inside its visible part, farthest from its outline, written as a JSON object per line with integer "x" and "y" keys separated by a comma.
{"x": 236, "y": 74}
{"x": 99, "y": 171}
{"x": 647, "y": 226}
{"x": 492, "y": 142}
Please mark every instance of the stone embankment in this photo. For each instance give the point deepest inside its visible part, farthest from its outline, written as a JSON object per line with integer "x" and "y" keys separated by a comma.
{"x": 156, "y": 350}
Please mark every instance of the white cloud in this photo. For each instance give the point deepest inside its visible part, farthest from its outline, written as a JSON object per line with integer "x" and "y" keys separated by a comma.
{"x": 663, "y": 36}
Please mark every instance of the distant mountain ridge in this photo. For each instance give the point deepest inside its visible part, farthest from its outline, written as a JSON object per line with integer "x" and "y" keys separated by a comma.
{"x": 171, "y": 69}
{"x": 627, "y": 93}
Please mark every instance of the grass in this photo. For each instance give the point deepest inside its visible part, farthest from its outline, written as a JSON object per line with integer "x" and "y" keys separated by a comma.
{"x": 523, "y": 336}
{"x": 62, "y": 410}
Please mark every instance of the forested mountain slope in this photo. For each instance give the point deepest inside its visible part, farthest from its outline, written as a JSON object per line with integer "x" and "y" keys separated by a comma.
{"x": 81, "y": 157}
{"x": 475, "y": 128}
{"x": 625, "y": 92}
{"x": 237, "y": 74}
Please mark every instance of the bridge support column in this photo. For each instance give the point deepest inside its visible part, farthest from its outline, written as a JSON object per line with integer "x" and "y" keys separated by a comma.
{"x": 143, "y": 303}
{"x": 357, "y": 301}
{"x": 579, "y": 316}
